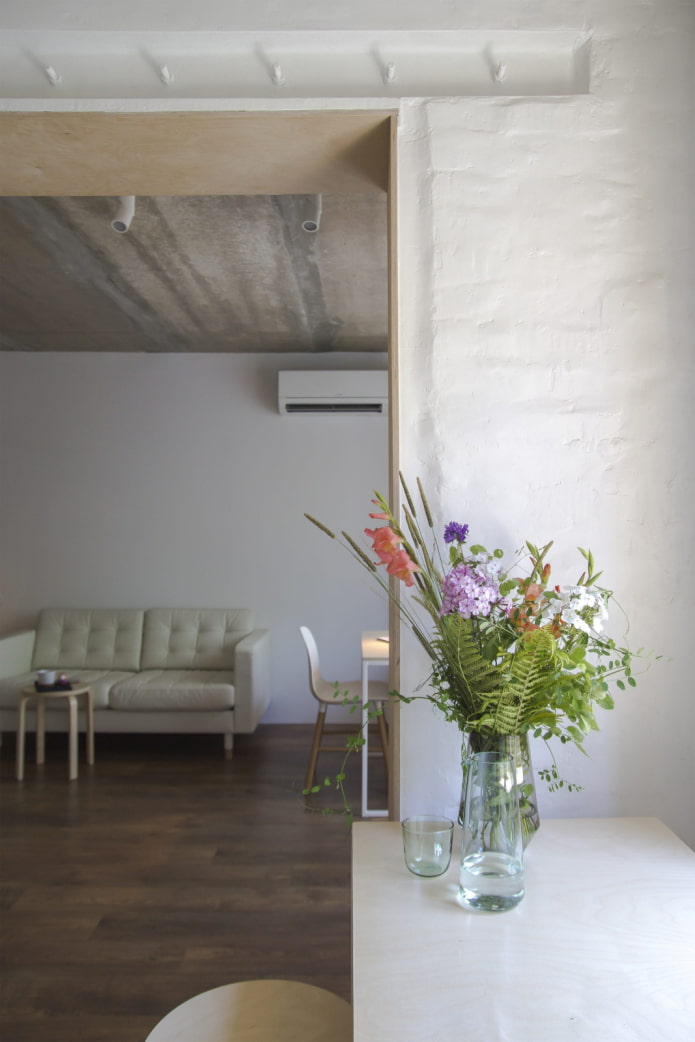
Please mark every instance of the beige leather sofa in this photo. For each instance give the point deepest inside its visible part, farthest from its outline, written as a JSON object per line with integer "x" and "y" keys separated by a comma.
{"x": 156, "y": 670}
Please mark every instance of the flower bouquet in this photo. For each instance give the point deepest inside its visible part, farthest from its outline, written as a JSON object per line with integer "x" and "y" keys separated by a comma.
{"x": 511, "y": 654}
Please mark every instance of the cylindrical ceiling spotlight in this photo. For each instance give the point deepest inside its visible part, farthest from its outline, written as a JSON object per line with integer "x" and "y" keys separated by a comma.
{"x": 124, "y": 213}
{"x": 311, "y": 214}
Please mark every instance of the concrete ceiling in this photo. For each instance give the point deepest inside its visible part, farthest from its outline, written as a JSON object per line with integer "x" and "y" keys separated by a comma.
{"x": 194, "y": 274}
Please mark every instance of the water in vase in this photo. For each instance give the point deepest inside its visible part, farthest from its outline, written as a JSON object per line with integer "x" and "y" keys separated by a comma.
{"x": 490, "y": 881}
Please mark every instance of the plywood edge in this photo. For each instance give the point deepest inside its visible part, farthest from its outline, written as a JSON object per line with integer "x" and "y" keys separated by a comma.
{"x": 394, "y": 787}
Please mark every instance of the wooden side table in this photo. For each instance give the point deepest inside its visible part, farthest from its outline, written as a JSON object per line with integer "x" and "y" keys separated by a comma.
{"x": 71, "y": 695}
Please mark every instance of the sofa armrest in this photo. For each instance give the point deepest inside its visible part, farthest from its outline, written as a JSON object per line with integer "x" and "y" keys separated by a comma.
{"x": 251, "y": 680}
{"x": 15, "y": 653}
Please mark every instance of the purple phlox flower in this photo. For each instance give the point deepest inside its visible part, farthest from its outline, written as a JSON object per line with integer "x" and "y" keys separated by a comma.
{"x": 468, "y": 592}
{"x": 454, "y": 532}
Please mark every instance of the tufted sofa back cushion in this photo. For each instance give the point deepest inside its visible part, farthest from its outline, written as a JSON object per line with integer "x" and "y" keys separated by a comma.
{"x": 76, "y": 638}
{"x": 192, "y": 638}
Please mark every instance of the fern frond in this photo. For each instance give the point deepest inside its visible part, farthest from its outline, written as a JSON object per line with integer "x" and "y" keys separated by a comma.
{"x": 528, "y": 689}
{"x": 467, "y": 676}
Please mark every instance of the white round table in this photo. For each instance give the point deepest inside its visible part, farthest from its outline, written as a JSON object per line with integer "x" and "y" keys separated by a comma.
{"x": 258, "y": 1011}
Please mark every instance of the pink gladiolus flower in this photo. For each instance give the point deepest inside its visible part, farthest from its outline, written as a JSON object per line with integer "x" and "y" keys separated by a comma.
{"x": 385, "y": 542}
{"x": 385, "y": 546}
{"x": 379, "y": 517}
{"x": 402, "y": 567}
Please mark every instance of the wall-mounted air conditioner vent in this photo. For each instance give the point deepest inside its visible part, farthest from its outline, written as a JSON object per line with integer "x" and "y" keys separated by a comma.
{"x": 336, "y": 391}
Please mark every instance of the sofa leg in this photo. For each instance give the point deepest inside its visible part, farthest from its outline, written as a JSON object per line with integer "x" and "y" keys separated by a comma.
{"x": 228, "y": 746}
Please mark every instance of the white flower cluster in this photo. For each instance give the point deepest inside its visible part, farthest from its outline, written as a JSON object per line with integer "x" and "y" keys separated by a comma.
{"x": 583, "y": 608}
{"x": 486, "y": 563}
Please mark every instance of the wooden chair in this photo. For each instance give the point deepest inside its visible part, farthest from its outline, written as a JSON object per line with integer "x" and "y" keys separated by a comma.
{"x": 348, "y": 691}
{"x": 258, "y": 1011}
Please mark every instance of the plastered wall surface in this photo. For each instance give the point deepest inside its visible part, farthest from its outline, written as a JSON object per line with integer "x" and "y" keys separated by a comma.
{"x": 170, "y": 480}
{"x": 547, "y": 370}
{"x": 545, "y": 343}
{"x": 250, "y": 15}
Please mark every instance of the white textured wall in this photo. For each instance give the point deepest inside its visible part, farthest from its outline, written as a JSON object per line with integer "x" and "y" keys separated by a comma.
{"x": 158, "y": 480}
{"x": 547, "y": 373}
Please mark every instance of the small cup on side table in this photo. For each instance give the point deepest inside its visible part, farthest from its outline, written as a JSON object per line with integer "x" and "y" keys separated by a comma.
{"x": 427, "y": 841}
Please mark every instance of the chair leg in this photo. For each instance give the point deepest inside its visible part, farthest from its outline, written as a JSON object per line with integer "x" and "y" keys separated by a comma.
{"x": 384, "y": 736}
{"x": 315, "y": 745}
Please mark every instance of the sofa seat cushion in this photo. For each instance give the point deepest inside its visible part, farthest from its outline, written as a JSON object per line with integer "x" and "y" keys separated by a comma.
{"x": 175, "y": 689}
{"x": 100, "y": 682}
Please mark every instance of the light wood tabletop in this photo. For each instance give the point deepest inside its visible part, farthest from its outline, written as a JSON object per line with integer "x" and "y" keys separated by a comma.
{"x": 600, "y": 947}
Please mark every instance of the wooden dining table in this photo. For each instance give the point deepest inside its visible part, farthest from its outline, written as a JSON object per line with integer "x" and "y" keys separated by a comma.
{"x": 600, "y": 949}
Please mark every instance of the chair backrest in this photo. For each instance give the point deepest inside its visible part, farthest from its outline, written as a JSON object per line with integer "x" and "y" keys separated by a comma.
{"x": 315, "y": 679}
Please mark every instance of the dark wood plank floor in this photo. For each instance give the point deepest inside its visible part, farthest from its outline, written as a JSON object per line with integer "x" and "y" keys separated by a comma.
{"x": 164, "y": 871}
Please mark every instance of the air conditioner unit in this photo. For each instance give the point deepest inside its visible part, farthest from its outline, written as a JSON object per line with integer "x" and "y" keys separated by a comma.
{"x": 333, "y": 391}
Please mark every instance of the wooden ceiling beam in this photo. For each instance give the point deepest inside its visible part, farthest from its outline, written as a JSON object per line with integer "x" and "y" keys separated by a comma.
{"x": 193, "y": 153}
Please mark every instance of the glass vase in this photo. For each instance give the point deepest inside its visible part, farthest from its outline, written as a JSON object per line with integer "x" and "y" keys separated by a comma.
{"x": 517, "y": 746}
{"x": 491, "y": 878}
